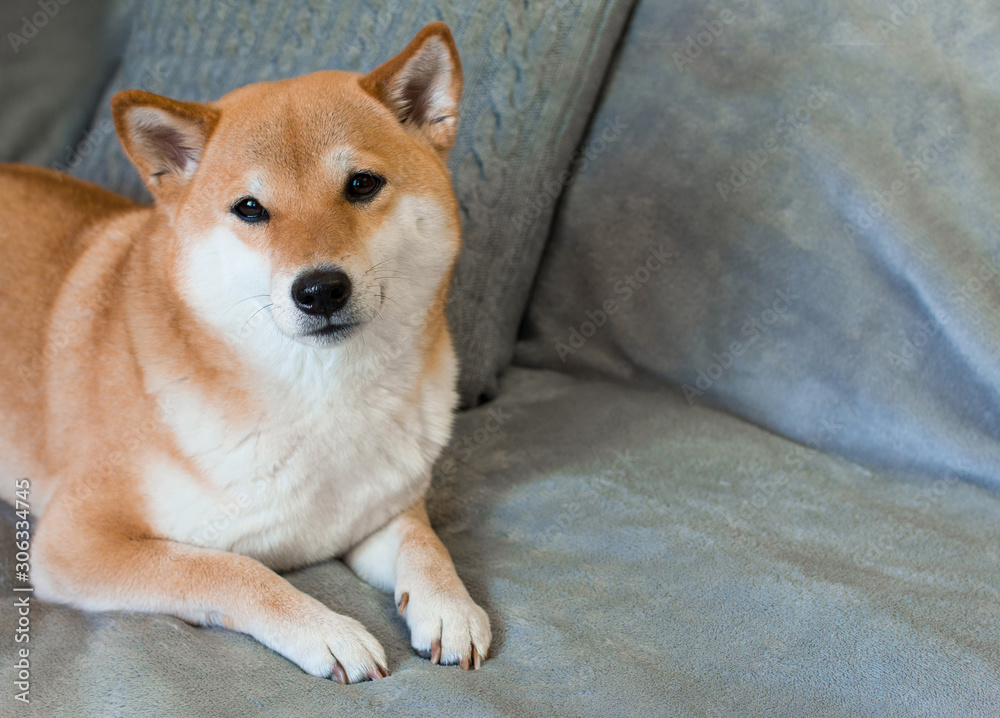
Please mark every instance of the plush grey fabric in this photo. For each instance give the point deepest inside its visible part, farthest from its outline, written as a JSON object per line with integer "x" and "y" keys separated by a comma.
{"x": 532, "y": 72}
{"x": 825, "y": 178}
{"x": 56, "y": 57}
{"x": 637, "y": 557}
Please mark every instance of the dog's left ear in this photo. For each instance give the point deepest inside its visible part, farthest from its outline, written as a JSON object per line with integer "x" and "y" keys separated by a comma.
{"x": 422, "y": 85}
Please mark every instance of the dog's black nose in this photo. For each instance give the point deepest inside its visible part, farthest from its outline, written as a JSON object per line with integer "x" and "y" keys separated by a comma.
{"x": 321, "y": 292}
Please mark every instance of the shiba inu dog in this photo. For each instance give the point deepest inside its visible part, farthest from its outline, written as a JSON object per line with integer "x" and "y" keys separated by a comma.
{"x": 252, "y": 374}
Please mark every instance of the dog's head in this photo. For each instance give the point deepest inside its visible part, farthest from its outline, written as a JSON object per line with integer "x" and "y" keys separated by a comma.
{"x": 323, "y": 199}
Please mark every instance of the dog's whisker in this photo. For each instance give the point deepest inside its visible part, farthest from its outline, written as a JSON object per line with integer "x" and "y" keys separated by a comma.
{"x": 379, "y": 264}
{"x": 390, "y": 299}
{"x": 400, "y": 277}
{"x": 256, "y": 296}
{"x": 254, "y": 315}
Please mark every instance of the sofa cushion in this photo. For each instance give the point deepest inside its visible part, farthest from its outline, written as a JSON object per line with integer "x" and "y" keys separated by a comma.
{"x": 637, "y": 557}
{"x": 532, "y": 71}
{"x": 789, "y": 210}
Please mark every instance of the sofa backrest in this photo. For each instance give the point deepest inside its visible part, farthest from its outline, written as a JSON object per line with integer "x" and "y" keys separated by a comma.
{"x": 788, "y": 210}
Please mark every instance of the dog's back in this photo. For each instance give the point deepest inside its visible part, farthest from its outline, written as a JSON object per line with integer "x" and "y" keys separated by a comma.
{"x": 46, "y": 228}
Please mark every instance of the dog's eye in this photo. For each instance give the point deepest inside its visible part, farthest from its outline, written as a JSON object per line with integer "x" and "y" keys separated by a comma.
{"x": 250, "y": 210}
{"x": 363, "y": 185}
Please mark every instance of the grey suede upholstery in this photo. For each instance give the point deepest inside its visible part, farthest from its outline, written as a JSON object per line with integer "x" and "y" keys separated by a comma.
{"x": 764, "y": 480}
{"x": 824, "y": 178}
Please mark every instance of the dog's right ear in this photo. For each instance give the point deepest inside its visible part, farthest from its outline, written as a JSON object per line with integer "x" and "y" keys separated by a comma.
{"x": 164, "y": 138}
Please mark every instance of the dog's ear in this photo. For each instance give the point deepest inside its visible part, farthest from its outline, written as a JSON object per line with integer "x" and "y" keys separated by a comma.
{"x": 422, "y": 85}
{"x": 164, "y": 138}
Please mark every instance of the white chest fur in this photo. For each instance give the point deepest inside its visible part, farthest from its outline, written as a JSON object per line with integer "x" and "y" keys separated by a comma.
{"x": 334, "y": 457}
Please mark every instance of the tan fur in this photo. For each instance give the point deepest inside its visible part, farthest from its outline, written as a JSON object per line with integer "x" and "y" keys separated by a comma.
{"x": 98, "y": 328}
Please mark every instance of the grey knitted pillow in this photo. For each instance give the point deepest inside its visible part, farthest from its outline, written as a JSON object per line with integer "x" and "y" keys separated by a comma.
{"x": 532, "y": 71}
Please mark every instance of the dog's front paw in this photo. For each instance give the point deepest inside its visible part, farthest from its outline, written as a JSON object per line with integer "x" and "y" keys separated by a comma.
{"x": 446, "y": 626}
{"x": 333, "y": 646}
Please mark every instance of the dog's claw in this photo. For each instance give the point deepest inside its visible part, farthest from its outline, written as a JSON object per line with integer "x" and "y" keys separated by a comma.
{"x": 464, "y": 662}
{"x": 339, "y": 673}
{"x": 436, "y": 651}
{"x": 477, "y": 661}
{"x": 403, "y": 600}
{"x": 378, "y": 673}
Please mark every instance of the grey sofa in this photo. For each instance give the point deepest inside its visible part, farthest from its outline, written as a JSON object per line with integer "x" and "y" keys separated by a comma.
{"x": 729, "y": 317}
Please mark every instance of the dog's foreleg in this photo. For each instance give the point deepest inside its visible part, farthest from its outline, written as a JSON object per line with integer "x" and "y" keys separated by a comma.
{"x": 100, "y": 562}
{"x": 407, "y": 557}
